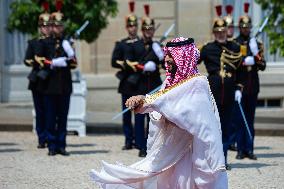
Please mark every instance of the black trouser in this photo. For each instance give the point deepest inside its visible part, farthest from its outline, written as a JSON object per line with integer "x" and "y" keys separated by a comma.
{"x": 225, "y": 113}
{"x": 244, "y": 142}
{"x": 139, "y": 135}
{"x": 57, "y": 107}
{"x": 223, "y": 92}
{"x": 38, "y": 99}
{"x": 234, "y": 124}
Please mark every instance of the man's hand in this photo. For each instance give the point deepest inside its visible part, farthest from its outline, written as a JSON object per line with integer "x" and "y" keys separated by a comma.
{"x": 238, "y": 96}
{"x": 249, "y": 61}
{"x": 253, "y": 46}
{"x": 135, "y": 102}
{"x": 150, "y": 66}
{"x": 59, "y": 62}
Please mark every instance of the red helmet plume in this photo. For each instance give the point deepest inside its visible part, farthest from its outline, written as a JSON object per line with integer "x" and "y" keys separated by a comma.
{"x": 45, "y": 6}
{"x": 218, "y": 10}
{"x": 131, "y": 5}
{"x": 147, "y": 9}
{"x": 246, "y": 7}
{"x": 58, "y": 5}
{"x": 229, "y": 9}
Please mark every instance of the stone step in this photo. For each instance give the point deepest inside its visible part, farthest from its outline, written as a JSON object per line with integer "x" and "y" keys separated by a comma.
{"x": 18, "y": 117}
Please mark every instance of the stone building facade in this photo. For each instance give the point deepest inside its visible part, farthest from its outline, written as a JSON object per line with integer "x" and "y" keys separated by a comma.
{"x": 192, "y": 18}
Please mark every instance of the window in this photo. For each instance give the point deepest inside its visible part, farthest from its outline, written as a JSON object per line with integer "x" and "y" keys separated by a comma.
{"x": 269, "y": 103}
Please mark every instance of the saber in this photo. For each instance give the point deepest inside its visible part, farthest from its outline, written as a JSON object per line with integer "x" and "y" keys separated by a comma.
{"x": 245, "y": 120}
{"x": 127, "y": 109}
{"x": 265, "y": 22}
{"x": 78, "y": 32}
{"x": 157, "y": 27}
{"x": 278, "y": 19}
{"x": 167, "y": 32}
{"x": 262, "y": 26}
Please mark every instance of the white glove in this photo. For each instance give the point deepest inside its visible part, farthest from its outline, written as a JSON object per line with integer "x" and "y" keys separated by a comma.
{"x": 59, "y": 62}
{"x": 238, "y": 96}
{"x": 150, "y": 66}
{"x": 249, "y": 61}
{"x": 253, "y": 46}
{"x": 68, "y": 49}
{"x": 158, "y": 50}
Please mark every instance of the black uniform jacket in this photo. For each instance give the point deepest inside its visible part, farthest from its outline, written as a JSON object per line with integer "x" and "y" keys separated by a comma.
{"x": 34, "y": 53}
{"x": 249, "y": 74}
{"x": 135, "y": 81}
{"x": 59, "y": 80}
{"x": 222, "y": 62}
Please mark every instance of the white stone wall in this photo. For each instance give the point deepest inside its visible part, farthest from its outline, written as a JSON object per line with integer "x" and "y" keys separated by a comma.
{"x": 193, "y": 19}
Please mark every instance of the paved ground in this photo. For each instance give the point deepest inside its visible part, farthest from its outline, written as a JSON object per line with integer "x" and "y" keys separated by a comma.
{"x": 18, "y": 117}
{"x": 22, "y": 166}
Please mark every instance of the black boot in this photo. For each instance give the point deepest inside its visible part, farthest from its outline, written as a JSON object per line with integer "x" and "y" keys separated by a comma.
{"x": 127, "y": 146}
{"x": 142, "y": 153}
{"x": 233, "y": 147}
{"x": 40, "y": 146}
{"x": 51, "y": 153}
{"x": 240, "y": 155}
{"x": 251, "y": 156}
{"x": 228, "y": 167}
{"x": 63, "y": 152}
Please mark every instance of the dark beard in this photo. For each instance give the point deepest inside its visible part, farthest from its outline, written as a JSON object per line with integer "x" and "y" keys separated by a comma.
{"x": 173, "y": 72}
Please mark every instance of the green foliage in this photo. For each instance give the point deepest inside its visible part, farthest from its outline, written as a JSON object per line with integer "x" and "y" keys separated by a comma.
{"x": 275, "y": 33}
{"x": 24, "y": 16}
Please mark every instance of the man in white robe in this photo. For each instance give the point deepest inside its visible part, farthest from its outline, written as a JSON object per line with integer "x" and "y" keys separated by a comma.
{"x": 184, "y": 147}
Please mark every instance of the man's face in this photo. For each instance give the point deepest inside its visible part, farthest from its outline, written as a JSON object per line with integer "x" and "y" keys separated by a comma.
{"x": 45, "y": 30}
{"x": 230, "y": 31}
{"x": 220, "y": 36}
{"x": 172, "y": 68}
{"x": 132, "y": 30}
{"x": 245, "y": 31}
{"x": 148, "y": 33}
{"x": 57, "y": 29}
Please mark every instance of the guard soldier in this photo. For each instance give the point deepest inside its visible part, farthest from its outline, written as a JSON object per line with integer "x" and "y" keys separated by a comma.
{"x": 145, "y": 57}
{"x": 230, "y": 22}
{"x": 126, "y": 76}
{"x": 58, "y": 85}
{"x": 230, "y": 37}
{"x": 253, "y": 61}
{"x": 222, "y": 59}
{"x": 33, "y": 54}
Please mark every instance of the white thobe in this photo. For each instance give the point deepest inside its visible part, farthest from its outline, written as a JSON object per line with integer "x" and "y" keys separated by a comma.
{"x": 184, "y": 146}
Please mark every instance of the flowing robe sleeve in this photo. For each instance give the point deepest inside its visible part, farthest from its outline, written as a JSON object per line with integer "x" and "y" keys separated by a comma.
{"x": 184, "y": 149}
{"x": 190, "y": 107}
